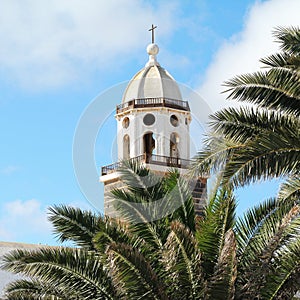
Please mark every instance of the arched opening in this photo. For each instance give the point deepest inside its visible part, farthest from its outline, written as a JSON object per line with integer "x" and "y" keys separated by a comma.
{"x": 126, "y": 147}
{"x": 149, "y": 145}
{"x": 125, "y": 122}
{"x": 174, "y": 142}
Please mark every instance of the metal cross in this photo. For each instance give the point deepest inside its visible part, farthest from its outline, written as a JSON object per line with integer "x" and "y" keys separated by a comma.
{"x": 152, "y": 29}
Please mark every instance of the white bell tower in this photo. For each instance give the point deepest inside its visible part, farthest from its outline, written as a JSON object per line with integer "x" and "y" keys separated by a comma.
{"x": 152, "y": 126}
{"x": 153, "y": 120}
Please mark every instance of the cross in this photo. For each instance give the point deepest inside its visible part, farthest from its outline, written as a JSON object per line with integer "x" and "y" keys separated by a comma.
{"x": 152, "y": 29}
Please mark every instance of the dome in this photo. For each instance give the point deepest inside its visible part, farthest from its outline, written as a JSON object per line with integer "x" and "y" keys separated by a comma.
{"x": 152, "y": 81}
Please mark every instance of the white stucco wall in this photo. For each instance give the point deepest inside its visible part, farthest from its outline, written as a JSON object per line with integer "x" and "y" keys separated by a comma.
{"x": 162, "y": 130}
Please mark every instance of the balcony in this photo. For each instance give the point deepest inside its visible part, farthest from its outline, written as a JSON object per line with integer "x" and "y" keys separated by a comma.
{"x": 153, "y": 102}
{"x": 150, "y": 159}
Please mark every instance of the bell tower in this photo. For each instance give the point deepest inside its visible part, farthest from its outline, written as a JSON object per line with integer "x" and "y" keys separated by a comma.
{"x": 152, "y": 127}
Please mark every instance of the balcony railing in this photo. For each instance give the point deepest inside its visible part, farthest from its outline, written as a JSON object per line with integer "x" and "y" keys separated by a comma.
{"x": 153, "y": 102}
{"x": 150, "y": 159}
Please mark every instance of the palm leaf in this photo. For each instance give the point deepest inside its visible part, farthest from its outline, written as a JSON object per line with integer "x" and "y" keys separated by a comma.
{"x": 263, "y": 236}
{"x": 213, "y": 158}
{"x": 284, "y": 281}
{"x": 133, "y": 274}
{"x": 110, "y": 231}
{"x": 259, "y": 158}
{"x": 258, "y": 88}
{"x": 33, "y": 289}
{"x": 219, "y": 217}
{"x": 278, "y": 60}
{"x": 73, "y": 224}
{"x": 290, "y": 189}
{"x": 222, "y": 283}
{"x": 289, "y": 38}
{"x": 182, "y": 260}
{"x": 66, "y": 268}
{"x": 243, "y": 124}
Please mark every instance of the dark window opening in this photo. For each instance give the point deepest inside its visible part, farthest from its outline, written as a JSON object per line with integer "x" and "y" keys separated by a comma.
{"x": 149, "y": 146}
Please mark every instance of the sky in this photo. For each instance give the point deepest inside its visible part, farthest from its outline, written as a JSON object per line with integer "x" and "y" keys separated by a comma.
{"x": 57, "y": 56}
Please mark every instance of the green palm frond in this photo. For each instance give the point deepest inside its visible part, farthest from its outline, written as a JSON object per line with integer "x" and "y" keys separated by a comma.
{"x": 284, "y": 281}
{"x": 222, "y": 283}
{"x": 250, "y": 145}
{"x": 289, "y": 38}
{"x": 259, "y": 88}
{"x": 138, "y": 218}
{"x": 249, "y": 225}
{"x": 267, "y": 156}
{"x": 139, "y": 180}
{"x": 244, "y": 123}
{"x": 278, "y": 60}
{"x": 263, "y": 236}
{"x": 279, "y": 86}
{"x": 33, "y": 289}
{"x": 182, "y": 260}
{"x": 66, "y": 268}
{"x": 74, "y": 224}
{"x": 219, "y": 217}
{"x": 148, "y": 209}
{"x": 110, "y": 231}
{"x": 290, "y": 189}
{"x": 179, "y": 195}
{"x": 132, "y": 273}
{"x": 213, "y": 158}
{"x": 137, "y": 203}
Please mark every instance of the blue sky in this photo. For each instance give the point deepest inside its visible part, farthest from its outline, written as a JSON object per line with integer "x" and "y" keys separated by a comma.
{"x": 57, "y": 56}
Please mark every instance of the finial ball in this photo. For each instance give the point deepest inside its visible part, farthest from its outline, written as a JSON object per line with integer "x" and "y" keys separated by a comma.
{"x": 152, "y": 49}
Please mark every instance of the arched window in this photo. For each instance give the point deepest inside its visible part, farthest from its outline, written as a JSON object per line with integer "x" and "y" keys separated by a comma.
{"x": 125, "y": 122}
{"x": 149, "y": 145}
{"x": 126, "y": 147}
{"x": 174, "y": 145}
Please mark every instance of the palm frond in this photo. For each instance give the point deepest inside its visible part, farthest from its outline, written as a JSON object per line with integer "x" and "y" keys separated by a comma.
{"x": 138, "y": 216}
{"x": 113, "y": 231}
{"x": 182, "y": 260}
{"x": 243, "y": 124}
{"x": 259, "y": 158}
{"x": 133, "y": 274}
{"x": 33, "y": 289}
{"x": 213, "y": 158}
{"x": 180, "y": 197}
{"x": 290, "y": 189}
{"x": 284, "y": 280}
{"x": 263, "y": 236}
{"x": 278, "y": 60}
{"x": 260, "y": 88}
{"x": 74, "y": 224}
{"x": 71, "y": 269}
{"x": 289, "y": 38}
{"x": 219, "y": 217}
{"x": 138, "y": 179}
{"x": 222, "y": 283}
{"x": 248, "y": 226}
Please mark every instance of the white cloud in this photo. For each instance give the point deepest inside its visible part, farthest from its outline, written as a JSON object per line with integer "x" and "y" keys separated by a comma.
{"x": 23, "y": 221}
{"x": 242, "y": 52}
{"x": 49, "y": 43}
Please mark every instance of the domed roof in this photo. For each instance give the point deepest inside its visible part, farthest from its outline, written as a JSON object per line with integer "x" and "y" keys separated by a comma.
{"x": 152, "y": 81}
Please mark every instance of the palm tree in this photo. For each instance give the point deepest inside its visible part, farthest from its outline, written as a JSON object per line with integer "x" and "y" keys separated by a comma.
{"x": 261, "y": 140}
{"x": 176, "y": 257}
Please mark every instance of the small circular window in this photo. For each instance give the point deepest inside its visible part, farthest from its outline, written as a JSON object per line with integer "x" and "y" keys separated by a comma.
{"x": 174, "y": 120}
{"x": 125, "y": 122}
{"x": 149, "y": 119}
